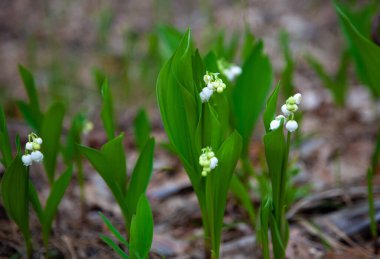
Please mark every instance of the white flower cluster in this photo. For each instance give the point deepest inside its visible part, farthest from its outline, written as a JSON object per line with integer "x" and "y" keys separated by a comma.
{"x": 288, "y": 109}
{"x": 232, "y": 72}
{"x": 207, "y": 160}
{"x": 213, "y": 84}
{"x": 32, "y": 150}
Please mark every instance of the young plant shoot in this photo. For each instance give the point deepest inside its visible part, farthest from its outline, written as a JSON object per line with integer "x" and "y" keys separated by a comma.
{"x": 273, "y": 208}
{"x": 194, "y": 109}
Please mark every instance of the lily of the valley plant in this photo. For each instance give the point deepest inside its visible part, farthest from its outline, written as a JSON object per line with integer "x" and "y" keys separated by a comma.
{"x": 273, "y": 207}
{"x": 195, "y": 113}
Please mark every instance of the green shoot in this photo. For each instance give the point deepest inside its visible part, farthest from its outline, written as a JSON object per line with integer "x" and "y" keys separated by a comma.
{"x": 142, "y": 128}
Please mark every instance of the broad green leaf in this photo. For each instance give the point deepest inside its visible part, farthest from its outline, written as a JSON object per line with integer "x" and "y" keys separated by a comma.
{"x": 275, "y": 148}
{"x": 114, "y": 246}
{"x": 51, "y": 130}
{"x": 14, "y": 192}
{"x": 56, "y": 194}
{"x": 250, "y": 93}
{"x": 141, "y": 236}
{"x": 249, "y": 42}
{"x": 142, "y": 128}
{"x": 113, "y": 152}
{"x": 366, "y": 54}
{"x": 218, "y": 182}
{"x": 241, "y": 193}
{"x": 288, "y": 71}
{"x": 140, "y": 176}
{"x": 107, "y": 113}
{"x": 31, "y": 111}
{"x": 5, "y": 145}
{"x": 178, "y": 103}
{"x": 169, "y": 39}
{"x": 113, "y": 230}
{"x": 270, "y": 110}
{"x": 101, "y": 165}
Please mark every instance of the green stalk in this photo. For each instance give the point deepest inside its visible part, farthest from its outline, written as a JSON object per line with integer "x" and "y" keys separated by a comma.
{"x": 81, "y": 188}
{"x": 281, "y": 199}
{"x": 27, "y": 237}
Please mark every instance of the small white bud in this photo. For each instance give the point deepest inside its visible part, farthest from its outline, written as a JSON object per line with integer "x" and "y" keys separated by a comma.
{"x": 207, "y": 79}
{"x": 37, "y": 156}
{"x": 204, "y": 173}
{"x": 236, "y": 70}
{"x": 38, "y": 141}
{"x": 210, "y": 154}
{"x": 298, "y": 98}
{"x": 279, "y": 117}
{"x": 213, "y": 163}
{"x": 219, "y": 90}
{"x": 205, "y": 94}
{"x": 274, "y": 124}
{"x": 36, "y": 146}
{"x": 29, "y": 146}
{"x": 291, "y": 125}
{"x": 285, "y": 110}
{"x": 27, "y": 160}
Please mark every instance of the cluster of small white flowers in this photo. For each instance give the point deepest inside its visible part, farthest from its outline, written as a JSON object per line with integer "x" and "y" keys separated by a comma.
{"x": 32, "y": 150}
{"x": 207, "y": 160}
{"x": 213, "y": 84}
{"x": 232, "y": 72}
{"x": 288, "y": 109}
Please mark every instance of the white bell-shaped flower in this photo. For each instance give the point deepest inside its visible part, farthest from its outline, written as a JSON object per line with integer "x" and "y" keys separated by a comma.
{"x": 298, "y": 98}
{"x": 274, "y": 124}
{"x": 291, "y": 125}
{"x": 213, "y": 162}
{"x": 29, "y": 146}
{"x": 37, "y": 156}
{"x": 27, "y": 160}
{"x": 284, "y": 110}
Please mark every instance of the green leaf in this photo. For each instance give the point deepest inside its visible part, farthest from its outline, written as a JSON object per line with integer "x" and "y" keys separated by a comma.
{"x": 140, "y": 176}
{"x": 241, "y": 193}
{"x": 102, "y": 165}
{"x": 366, "y": 54}
{"x": 141, "y": 236}
{"x": 35, "y": 201}
{"x": 114, "y": 246}
{"x": 73, "y": 139}
{"x": 113, "y": 230}
{"x": 51, "y": 130}
{"x": 142, "y": 128}
{"x": 113, "y": 152}
{"x": 288, "y": 71}
{"x": 275, "y": 148}
{"x": 250, "y": 92}
{"x": 217, "y": 185}
{"x": 179, "y": 104}
{"x": 106, "y": 113}
{"x": 278, "y": 245}
{"x": 56, "y": 194}
{"x": 14, "y": 191}
{"x": 265, "y": 211}
{"x": 5, "y": 145}
{"x": 31, "y": 111}
{"x": 270, "y": 110}
{"x": 99, "y": 77}
{"x": 169, "y": 39}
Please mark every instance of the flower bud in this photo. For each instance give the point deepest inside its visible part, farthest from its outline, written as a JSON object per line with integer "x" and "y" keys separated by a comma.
{"x": 219, "y": 90}
{"x": 38, "y": 141}
{"x": 207, "y": 78}
{"x": 292, "y": 107}
{"x": 36, "y": 146}
{"x": 213, "y": 163}
{"x": 298, "y": 98}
